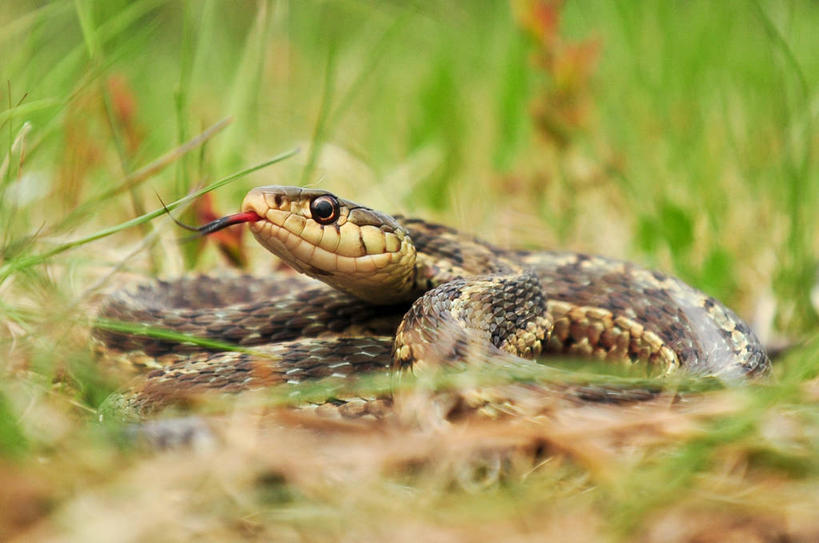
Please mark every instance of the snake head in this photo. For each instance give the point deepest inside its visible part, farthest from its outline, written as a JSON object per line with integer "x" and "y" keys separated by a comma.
{"x": 348, "y": 246}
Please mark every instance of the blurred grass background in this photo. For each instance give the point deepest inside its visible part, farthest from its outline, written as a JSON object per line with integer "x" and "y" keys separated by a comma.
{"x": 681, "y": 135}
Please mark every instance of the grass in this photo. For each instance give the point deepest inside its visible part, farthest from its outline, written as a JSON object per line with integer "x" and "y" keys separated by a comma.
{"x": 681, "y": 135}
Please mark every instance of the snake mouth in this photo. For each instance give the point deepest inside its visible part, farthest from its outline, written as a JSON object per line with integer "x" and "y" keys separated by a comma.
{"x": 348, "y": 246}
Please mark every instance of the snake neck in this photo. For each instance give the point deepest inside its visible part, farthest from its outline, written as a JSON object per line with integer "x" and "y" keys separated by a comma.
{"x": 443, "y": 254}
{"x": 375, "y": 257}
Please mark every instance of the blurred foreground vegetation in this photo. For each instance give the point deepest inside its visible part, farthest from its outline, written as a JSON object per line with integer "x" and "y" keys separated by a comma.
{"x": 682, "y": 135}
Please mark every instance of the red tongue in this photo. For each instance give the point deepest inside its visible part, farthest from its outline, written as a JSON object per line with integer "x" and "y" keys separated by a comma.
{"x": 229, "y": 220}
{"x": 218, "y": 224}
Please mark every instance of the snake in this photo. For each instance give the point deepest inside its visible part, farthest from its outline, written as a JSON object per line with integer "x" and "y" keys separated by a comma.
{"x": 382, "y": 293}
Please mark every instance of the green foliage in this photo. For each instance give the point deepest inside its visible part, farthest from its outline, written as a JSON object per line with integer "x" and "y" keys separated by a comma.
{"x": 12, "y": 439}
{"x": 677, "y": 134}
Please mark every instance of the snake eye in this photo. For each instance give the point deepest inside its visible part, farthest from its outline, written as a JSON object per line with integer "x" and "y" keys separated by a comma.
{"x": 324, "y": 209}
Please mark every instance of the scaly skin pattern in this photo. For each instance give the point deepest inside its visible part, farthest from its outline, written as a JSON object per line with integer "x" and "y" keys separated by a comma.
{"x": 405, "y": 295}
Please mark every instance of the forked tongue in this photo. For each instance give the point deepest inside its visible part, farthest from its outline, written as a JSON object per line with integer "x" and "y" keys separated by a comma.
{"x": 224, "y": 222}
{"x": 220, "y": 223}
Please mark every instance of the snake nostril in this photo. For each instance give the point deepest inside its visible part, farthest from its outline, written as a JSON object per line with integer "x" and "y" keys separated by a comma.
{"x": 279, "y": 200}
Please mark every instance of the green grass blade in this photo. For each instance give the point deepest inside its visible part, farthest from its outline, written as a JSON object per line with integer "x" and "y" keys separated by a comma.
{"x": 26, "y": 262}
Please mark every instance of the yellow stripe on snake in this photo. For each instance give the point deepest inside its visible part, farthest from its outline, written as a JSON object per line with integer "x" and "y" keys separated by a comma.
{"x": 404, "y": 295}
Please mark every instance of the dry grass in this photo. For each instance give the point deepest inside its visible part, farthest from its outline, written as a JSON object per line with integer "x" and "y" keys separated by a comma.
{"x": 680, "y": 135}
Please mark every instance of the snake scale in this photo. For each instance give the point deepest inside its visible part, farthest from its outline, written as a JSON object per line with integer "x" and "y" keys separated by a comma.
{"x": 404, "y": 294}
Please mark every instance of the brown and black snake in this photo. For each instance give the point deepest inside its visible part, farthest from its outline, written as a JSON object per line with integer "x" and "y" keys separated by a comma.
{"x": 403, "y": 295}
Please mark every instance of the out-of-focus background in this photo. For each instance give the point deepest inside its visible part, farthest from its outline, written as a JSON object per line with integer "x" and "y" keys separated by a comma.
{"x": 681, "y": 135}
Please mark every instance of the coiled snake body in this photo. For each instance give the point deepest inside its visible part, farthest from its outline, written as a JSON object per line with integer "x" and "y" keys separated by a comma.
{"x": 405, "y": 294}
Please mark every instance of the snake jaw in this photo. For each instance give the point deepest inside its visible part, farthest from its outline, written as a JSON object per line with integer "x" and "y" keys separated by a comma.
{"x": 361, "y": 251}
